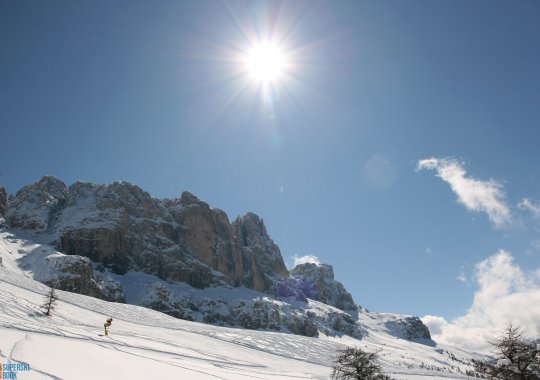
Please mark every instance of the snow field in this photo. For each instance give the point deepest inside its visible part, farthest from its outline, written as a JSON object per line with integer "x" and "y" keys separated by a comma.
{"x": 146, "y": 344}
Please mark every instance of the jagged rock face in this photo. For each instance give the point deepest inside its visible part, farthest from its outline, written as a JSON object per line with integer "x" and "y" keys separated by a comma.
{"x": 102, "y": 245}
{"x": 253, "y": 314}
{"x": 3, "y": 201}
{"x": 330, "y": 291}
{"x": 79, "y": 277}
{"x": 118, "y": 225}
{"x": 209, "y": 236}
{"x": 74, "y": 274}
{"x": 261, "y": 254}
{"x": 242, "y": 251}
{"x": 343, "y": 324}
{"x": 124, "y": 228}
{"x": 410, "y": 328}
{"x": 160, "y": 299}
{"x": 33, "y": 205}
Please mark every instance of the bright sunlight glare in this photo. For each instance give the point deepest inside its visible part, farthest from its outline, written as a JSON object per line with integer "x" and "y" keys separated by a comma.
{"x": 265, "y": 62}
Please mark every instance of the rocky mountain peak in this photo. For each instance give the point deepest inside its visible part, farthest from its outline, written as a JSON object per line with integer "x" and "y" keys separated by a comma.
{"x": 112, "y": 232}
{"x": 51, "y": 186}
{"x": 122, "y": 227}
{"x": 313, "y": 270}
{"x": 128, "y": 199}
{"x": 187, "y": 199}
{"x": 33, "y": 205}
{"x": 45, "y": 189}
{"x": 252, "y": 229}
{"x": 330, "y": 291}
{"x": 257, "y": 245}
{"x": 81, "y": 188}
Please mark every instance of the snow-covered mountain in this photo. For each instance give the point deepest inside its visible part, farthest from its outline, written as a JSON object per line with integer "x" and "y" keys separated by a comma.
{"x": 182, "y": 258}
{"x": 178, "y": 256}
{"x": 123, "y": 228}
{"x": 144, "y": 343}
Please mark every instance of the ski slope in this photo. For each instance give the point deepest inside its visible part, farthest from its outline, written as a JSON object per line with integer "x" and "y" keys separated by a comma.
{"x": 146, "y": 344}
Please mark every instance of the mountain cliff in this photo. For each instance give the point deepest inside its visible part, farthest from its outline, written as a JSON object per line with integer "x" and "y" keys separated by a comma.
{"x": 178, "y": 256}
{"x": 329, "y": 291}
{"x": 123, "y": 228}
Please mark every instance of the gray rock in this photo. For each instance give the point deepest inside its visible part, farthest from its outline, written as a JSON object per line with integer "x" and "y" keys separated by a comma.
{"x": 263, "y": 263}
{"x": 75, "y": 274}
{"x": 410, "y": 328}
{"x": 330, "y": 291}
{"x": 249, "y": 314}
{"x": 343, "y": 324}
{"x": 160, "y": 299}
{"x": 122, "y": 227}
{"x": 252, "y": 314}
{"x": 208, "y": 236}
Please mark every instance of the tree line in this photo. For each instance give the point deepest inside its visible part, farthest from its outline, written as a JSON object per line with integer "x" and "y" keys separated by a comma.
{"x": 516, "y": 357}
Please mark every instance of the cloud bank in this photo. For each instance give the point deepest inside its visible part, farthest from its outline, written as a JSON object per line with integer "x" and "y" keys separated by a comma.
{"x": 505, "y": 293}
{"x": 475, "y": 195}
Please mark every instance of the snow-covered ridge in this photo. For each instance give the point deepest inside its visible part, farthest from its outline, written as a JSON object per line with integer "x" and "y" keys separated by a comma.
{"x": 147, "y": 343}
{"x": 226, "y": 306}
{"x": 178, "y": 256}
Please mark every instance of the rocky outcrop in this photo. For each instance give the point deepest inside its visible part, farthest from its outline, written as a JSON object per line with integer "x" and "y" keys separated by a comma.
{"x": 71, "y": 273}
{"x": 342, "y": 324}
{"x": 410, "y": 328}
{"x": 77, "y": 276}
{"x": 329, "y": 291}
{"x": 123, "y": 228}
{"x": 248, "y": 309}
{"x": 254, "y": 314}
{"x": 160, "y": 298}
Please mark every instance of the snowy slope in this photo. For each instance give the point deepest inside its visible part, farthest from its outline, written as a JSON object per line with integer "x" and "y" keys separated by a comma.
{"x": 148, "y": 344}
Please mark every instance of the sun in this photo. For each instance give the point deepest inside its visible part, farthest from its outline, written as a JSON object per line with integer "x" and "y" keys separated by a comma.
{"x": 265, "y": 62}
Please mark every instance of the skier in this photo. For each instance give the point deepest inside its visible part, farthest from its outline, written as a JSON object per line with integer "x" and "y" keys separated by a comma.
{"x": 106, "y": 325}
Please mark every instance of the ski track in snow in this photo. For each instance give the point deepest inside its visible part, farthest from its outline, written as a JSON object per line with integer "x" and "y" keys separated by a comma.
{"x": 14, "y": 347}
{"x": 140, "y": 345}
{"x": 147, "y": 344}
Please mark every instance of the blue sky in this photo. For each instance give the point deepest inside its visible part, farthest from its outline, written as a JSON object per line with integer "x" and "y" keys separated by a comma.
{"x": 330, "y": 157}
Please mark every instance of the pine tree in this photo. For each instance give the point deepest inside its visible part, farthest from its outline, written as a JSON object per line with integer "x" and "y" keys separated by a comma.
{"x": 356, "y": 364}
{"x": 50, "y": 302}
{"x": 518, "y": 357}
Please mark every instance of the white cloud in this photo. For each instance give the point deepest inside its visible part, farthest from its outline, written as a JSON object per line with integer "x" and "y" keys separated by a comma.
{"x": 506, "y": 293}
{"x": 305, "y": 259}
{"x": 475, "y": 195}
{"x": 435, "y": 324}
{"x": 461, "y": 277}
{"x": 531, "y": 206}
